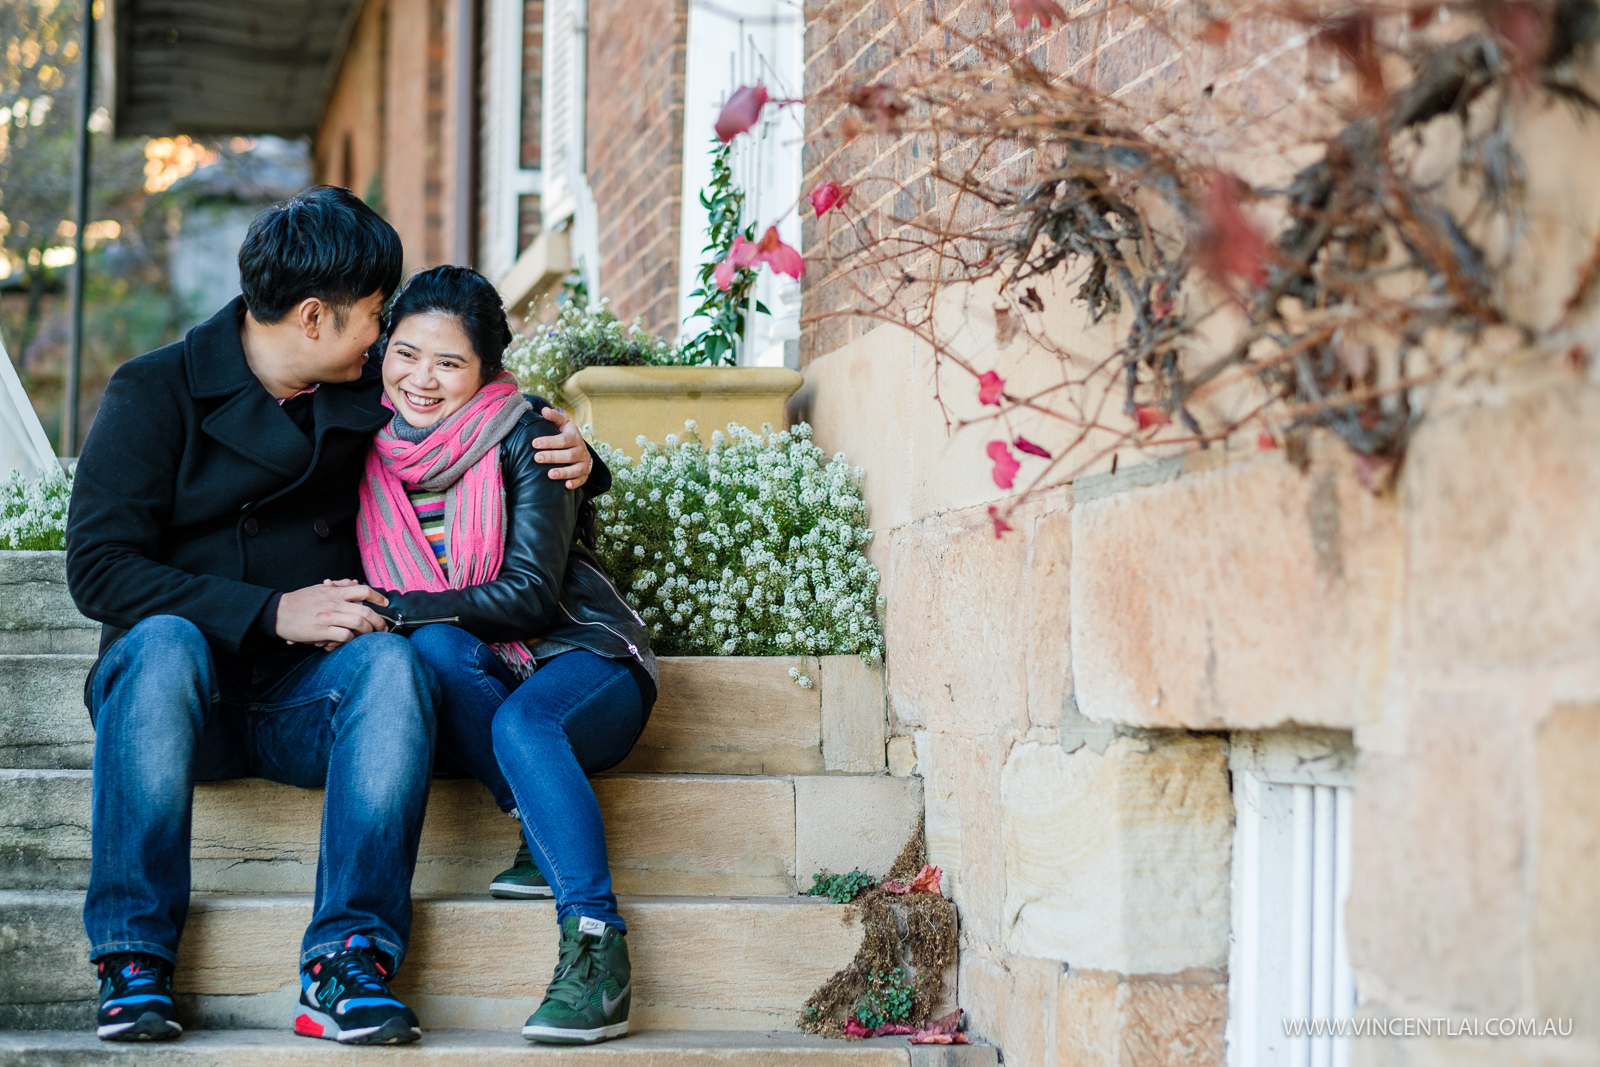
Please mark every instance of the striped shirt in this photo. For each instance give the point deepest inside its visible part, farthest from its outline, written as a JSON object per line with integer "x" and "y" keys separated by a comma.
{"x": 430, "y": 515}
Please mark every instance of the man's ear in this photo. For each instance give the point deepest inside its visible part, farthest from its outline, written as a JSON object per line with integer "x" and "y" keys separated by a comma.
{"x": 311, "y": 314}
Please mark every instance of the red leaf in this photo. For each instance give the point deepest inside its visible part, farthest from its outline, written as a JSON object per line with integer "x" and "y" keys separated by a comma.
{"x": 1149, "y": 416}
{"x": 853, "y": 1028}
{"x": 899, "y": 889}
{"x": 1025, "y": 11}
{"x": 882, "y": 102}
{"x": 927, "y": 879}
{"x": 1025, "y": 445}
{"x": 1005, "y": 464}
{"x": 1230, "y": 244}
{"x": 1217, "y": 31}
{"x": 743, "y": 252}
{"x": 741, "y": 111}
{"x": 945, "y": 1030}
{"x": 774, "y": 253}
{"x": 1000, "y": 528}
{"x": 1265, "y": 442}
{"x": 827, "y": 196}
{"x": 990, "y": 388}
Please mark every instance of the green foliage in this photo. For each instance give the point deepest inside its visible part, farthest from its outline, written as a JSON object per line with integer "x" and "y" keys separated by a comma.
{"x": 723, "y": 311}
{"x": 583, "y": 336}
{"x": 754, "y": 546}
{"x": 841, "y": 888}
{"x": 889, "y": 999}
{"x": 33, "y": 514}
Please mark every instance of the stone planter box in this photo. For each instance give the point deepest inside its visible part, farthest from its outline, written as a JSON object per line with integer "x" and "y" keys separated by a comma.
{"x": 621, "y": 403}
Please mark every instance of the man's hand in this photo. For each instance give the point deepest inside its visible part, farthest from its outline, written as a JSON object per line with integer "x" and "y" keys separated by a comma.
{"x": 330, "y": 614}
{"x": 566, "y": 449}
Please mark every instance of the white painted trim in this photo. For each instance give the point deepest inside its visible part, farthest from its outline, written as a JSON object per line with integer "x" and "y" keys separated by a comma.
{"x": 1293, "y": 793}
{"x": 23, "y": 445}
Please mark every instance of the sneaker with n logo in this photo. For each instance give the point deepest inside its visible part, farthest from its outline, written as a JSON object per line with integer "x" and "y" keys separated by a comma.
{"x": 522, "y": 880}
{"x": 344, "y": 997}
{"x": 589, "y": 995}
{"x": 135, "y": 999}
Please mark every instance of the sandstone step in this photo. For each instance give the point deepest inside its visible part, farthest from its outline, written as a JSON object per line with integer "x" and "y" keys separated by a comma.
{"x": 698, "y": 963}
{"x": 667, "y": 834}
{"x": 480, "y": 1048}
{"x": 715, "y": 715}
{"x": 36, "y": 613}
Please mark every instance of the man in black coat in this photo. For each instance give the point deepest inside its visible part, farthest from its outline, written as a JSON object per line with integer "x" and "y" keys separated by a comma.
{"x": 213, "y": 511}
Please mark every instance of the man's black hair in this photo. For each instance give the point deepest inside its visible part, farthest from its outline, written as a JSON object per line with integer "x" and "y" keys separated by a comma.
{"x": 471, "y": 299}
{"x": 322, "y": 242}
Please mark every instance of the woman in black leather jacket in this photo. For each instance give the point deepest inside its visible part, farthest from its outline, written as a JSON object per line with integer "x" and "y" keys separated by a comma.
{"x": 546, "y": 673}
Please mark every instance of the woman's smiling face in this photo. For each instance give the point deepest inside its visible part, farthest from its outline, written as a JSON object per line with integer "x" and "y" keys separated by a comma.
{"x": 429, "y": 369}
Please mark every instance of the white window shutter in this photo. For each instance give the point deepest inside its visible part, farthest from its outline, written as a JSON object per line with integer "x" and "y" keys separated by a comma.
{"x": 563, "y": 109}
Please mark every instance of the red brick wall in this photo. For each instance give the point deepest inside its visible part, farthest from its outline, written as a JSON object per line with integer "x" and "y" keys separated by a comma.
{"x": 1107, "y": 46}
{"x": 532, "y": 84}
{"x": 635, "y": 152}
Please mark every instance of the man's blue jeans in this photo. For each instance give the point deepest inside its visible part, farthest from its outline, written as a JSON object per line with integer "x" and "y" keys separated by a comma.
{"x": 357, "y": 720}
{"x": 533, "y": 745}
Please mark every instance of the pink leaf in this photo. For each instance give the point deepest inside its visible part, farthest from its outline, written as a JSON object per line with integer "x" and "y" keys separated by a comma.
{"x": 1000, "y": 528}
{"x": 927, "y": 879}
{"x": 1025, "y": 11}
{"x": 741, "y": 111}
{"x": 1149, "y": 416}
{"x": 780, "y": 257}
{"x": 743, "y": 252}
{"x": 724, "y": 274}
{"x": 1266, "y": 442}
{"x": 899, "y": 889}
{"x": 990, "y": 388}
{"x": 853, "y": 1028}
{"x": 1025, "y": 445}
{"x": 827, "y": 196}
{"x": 945, "y": 1030}
{"x": 1005, "y": 464}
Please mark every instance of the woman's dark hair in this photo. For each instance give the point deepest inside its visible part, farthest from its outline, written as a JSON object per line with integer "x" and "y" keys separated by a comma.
{"x": 466, "y": 296}
{"x": 322, "y": 242}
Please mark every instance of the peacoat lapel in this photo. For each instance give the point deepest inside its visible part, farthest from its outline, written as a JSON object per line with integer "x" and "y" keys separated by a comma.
{"x": 249, "y": 421}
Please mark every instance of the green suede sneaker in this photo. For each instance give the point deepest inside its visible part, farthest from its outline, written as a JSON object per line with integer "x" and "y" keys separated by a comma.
{"x": 589, "y": 995}
{"x": 523, "y": 880}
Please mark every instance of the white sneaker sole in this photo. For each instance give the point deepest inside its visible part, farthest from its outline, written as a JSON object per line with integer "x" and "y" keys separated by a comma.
{"x": 521, "y": 892}
{"x": 112, "y": 1031}
{"x": 584, "y": 1037}
{"x": 308, "y": 1022}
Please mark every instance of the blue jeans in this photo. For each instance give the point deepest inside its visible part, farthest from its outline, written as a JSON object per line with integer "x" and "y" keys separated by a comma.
{"x": 533, "y": 744}
{"x": 358, "y": 720}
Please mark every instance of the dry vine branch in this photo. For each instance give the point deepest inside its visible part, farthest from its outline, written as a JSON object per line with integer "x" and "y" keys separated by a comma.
{"x": 1379, "y": 276}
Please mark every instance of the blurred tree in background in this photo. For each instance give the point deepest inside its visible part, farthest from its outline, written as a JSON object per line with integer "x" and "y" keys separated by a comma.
{"x": 138, "y": 205}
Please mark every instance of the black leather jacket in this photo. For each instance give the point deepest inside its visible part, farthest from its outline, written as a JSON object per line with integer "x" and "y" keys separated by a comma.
{"x": 550, "y": 587}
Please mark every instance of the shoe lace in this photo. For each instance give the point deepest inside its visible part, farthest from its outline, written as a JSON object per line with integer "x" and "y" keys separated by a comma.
{"x": 133, "y": 974}
{"x": 575, "y": 968}
{"x": 356, "y": 969}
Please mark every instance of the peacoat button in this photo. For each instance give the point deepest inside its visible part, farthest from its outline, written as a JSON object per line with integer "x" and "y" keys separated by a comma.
{"x": 321, "y": 526}
{"x": 252, "y": 526}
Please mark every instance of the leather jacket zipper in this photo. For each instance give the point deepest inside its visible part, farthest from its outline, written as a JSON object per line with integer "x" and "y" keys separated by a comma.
{"x": 636, "y": 616}
{"x": 633, "y": 649}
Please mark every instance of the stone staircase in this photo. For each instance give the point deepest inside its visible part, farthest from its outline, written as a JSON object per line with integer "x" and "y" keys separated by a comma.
{"x": 742, "y": 787}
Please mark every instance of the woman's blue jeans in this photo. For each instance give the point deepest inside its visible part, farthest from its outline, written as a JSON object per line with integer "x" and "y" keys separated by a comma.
{"x": 357, "y": 721}
{"x": 533, "y": 745}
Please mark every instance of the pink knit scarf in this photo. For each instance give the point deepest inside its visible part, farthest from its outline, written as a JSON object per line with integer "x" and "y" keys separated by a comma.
{"x": 461, "y": 457}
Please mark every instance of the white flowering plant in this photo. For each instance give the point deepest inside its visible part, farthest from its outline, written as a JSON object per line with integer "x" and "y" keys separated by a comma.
{"x": 754, "y": 546}
{"x": 33, "y": 512}
{"x": 585, "y": 336}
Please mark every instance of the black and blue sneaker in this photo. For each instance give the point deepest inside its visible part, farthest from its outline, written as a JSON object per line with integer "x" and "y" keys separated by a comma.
{"x": 344, "y": 997}
{"x": 135, "y": 998}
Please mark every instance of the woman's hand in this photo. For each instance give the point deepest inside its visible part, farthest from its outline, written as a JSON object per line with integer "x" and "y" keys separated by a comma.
{"x": 567, "y": 449}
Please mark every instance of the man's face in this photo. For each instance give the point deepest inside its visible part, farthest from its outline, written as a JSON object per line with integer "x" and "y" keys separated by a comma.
{"x": 339, "y": 354}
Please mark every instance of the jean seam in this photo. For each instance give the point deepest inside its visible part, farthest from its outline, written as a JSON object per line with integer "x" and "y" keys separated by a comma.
{"x": 149, "y": 948}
